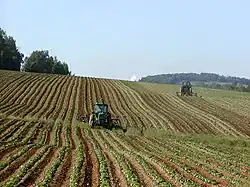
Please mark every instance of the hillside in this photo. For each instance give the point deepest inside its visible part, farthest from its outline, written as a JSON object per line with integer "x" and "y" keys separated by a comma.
{"x": 208, "y": 80}
{"x": 170, "y": 140}
{"x": 176, "y": 78}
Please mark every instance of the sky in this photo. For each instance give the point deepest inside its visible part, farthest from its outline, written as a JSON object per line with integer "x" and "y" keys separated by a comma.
{"x": 134, "y": 38}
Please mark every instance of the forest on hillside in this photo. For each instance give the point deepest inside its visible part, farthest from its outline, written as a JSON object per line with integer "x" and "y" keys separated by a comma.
{"x": 209, "y": 80}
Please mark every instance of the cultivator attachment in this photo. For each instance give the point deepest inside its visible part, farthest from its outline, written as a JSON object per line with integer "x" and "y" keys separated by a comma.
{"x": 186, "y": 94}
{"x": 115, "y": 121}
{"x": 84, "y": 119}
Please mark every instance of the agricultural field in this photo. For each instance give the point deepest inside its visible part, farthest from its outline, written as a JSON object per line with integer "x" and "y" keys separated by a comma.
{"x": 170, "y": 140}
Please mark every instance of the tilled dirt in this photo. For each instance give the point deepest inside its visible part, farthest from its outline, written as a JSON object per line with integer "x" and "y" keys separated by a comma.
{"x": 39, "y": 169}
{"x": 61, "y": 138}
{"x": 6, "y": 152}
{"x": 118, "y": 179}
{"x": 205, "y": 173}
{"x": 143, "y": 177}
{"x": 73, "y": 146}
{"x": 35, "y": 135}
{"x": 4, "y": 174}
{"x": 61, "y": 177}
{"x": 79, "y": 134}
{"x": 47, "y": 139}
{"x": 50, "y": 159}
{"x": 184, "y": 173}
{"x": 91, "y": 166}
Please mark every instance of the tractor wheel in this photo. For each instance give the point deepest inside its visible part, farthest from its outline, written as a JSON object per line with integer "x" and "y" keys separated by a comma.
{"x": 91, "y": 121}
{"x": 109, "y": 122}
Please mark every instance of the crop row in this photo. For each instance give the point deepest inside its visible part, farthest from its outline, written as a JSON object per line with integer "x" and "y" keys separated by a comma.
{"x": 107, "y": 158}
{"x": 67, "y": 98}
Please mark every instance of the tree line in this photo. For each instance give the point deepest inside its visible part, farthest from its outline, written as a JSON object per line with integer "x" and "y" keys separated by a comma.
{"x": 209, "y": 80}
{"x": 227, "y": 86}
{"x": 177, "y": 78}
{"x": 39, "y": 61}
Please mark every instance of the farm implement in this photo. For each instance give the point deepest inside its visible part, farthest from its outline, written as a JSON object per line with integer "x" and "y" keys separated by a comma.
{"x": 186, "y": 89}
{"x": 101, "y": 117}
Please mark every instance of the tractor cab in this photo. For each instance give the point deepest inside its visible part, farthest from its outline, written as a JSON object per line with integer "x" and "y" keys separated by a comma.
{"x": 186, "y": 84}
{"x": 100, "y": 115}
{"x": 100, "y": 108}
{"x": 186, "y": 88}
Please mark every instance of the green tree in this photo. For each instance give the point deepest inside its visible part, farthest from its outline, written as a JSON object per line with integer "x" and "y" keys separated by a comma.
{"x": 58, "y": 68}
{"x": 248, "y": 88}
{"x": 10, "y": 57}
{"x": 39, "y": 62}
{"x": 66, "y": 68}
{"x": 42, "y": 62}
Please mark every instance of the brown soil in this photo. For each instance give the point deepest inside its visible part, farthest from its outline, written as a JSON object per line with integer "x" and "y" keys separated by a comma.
{"x": 81, "y": 107}
{"x": 36, "y": 172}
{"x": 10, "y": 123}
{"x": 184, "y": 173}
{"x": 80, "y": 137}
{"x": 91, "y": 166}
{"x": 118, "y": 179}
{"x": 88, "y": 97}
{"x": 145, "y": 180}
{"x": 227, "y": 174}
{"x": 244, "y": 170}
{"x": 61, "y": 176}
{"x": 34, "y": 137}
{"x": 54, "y": 157}
{"x": 60, "y": 137}
{"x": 115, "y": 172}
{"x": 165, "y": 175}
{"x": 45, "y": 111}
{"x": 47, "y": 139}
{"x": 6, "y": 152}
{"x": 61, "y": 98}
{"x": 205, "y": 173}
{"x": 17, "y": 127}
{"x": 38, "y": 135}
{"x": 4, "y": 174}
{"x": 68, "y": 175}
{"x": 52, "y": 133}
{"x": 24, "y": 133}
{"x": 71, "y": 138}
{"x": 216, "y": 164}
{"x": 154, "y": 166}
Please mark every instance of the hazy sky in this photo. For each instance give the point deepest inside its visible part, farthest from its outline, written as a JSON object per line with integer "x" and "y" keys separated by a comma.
{"x": 119, "y": 38}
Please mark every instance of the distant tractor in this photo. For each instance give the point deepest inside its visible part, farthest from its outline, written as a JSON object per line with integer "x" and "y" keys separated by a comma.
{"x": 186, "y": 89}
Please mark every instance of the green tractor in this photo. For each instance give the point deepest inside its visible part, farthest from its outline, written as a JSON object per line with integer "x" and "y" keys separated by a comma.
{"x": 186, "y": 89}
{"x": 102, "y": 117}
